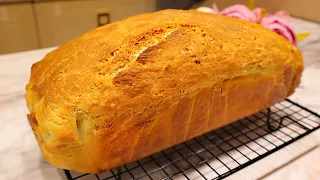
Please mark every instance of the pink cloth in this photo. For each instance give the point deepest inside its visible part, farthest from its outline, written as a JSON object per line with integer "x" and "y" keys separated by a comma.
{"x": 280, "y": 23}
{"x": 241, "y": 12}
{"x": 283, "y": 14}
{"x": 258, "y": 12}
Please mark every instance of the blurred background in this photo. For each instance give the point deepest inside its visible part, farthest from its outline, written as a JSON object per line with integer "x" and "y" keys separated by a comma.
{"x": 34, "y": 24}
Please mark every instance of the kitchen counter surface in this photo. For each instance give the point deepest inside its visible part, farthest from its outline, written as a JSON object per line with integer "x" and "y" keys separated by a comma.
{"x": 20, "y": 157}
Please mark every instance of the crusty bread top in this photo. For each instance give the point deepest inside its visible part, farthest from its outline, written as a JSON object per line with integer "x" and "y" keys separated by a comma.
{"x": 119, "y": 69}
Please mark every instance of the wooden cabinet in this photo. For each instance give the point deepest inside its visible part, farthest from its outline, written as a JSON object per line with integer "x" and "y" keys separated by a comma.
{"x": 17, "y": 28}
{"x": 61, "y": 21}
{"x": 27, "y": 26}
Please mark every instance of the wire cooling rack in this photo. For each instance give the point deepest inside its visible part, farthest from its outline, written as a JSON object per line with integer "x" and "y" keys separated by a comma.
{"x": 222, "y": 152}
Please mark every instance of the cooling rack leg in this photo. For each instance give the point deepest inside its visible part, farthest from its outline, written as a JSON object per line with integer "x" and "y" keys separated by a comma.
{"x": 119, "y": 173}
{"x": 68, "y": 175}
{"x": 272, "y": 128}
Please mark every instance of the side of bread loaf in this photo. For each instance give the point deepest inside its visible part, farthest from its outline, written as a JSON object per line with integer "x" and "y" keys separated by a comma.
{"x": 134, "y": 87}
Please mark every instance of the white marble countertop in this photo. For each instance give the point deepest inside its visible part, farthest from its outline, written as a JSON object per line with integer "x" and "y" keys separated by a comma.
{"x": 20, "y": 157}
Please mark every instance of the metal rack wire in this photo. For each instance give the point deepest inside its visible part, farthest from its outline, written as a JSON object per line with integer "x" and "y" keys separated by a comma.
{"x": 222, "y": 152}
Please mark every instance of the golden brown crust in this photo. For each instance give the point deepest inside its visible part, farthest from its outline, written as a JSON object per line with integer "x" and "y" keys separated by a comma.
{"x": 134, "y": 87}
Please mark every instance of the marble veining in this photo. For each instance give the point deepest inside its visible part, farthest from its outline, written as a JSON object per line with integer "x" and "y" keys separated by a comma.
{"x": 20, "y": 156}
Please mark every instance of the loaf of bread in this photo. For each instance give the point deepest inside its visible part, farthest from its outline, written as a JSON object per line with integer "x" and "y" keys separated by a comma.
{"x": 135, "y": 87}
